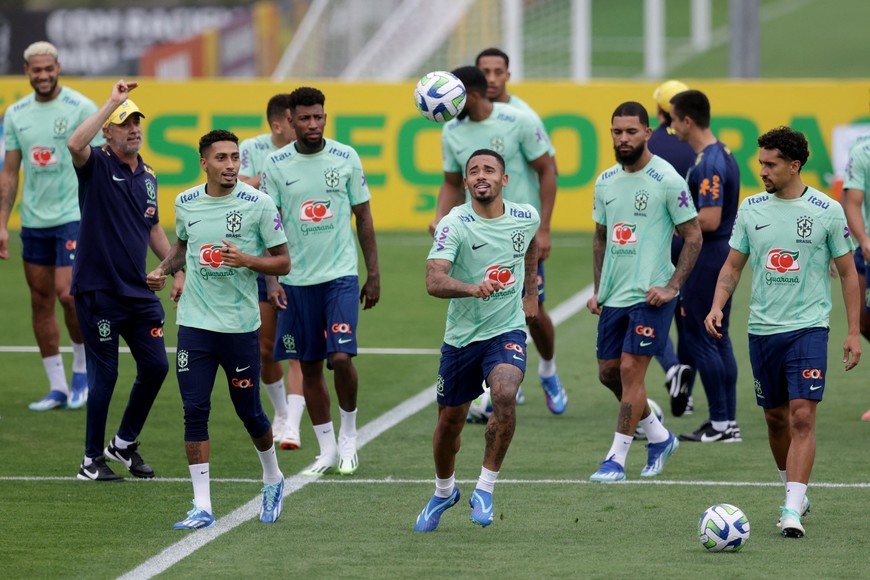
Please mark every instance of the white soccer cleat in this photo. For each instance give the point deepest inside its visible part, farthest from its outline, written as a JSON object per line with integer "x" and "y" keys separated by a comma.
{"x": 347, "y": 458}
{"x": 321, "y": 466}
{"x": 279, "y": 425}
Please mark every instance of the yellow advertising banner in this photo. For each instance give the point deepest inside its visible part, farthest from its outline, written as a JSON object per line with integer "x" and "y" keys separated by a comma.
{"x": 401, "y": 151}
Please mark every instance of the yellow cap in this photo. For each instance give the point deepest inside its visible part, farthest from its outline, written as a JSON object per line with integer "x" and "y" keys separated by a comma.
{"x": 666, "y": 91}
{"x": 123, "y": 111}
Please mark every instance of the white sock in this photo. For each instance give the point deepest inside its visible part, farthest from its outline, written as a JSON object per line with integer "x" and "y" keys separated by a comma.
{"x": 56, "y": 374}
{"x": 271, "y": 472}
{"x": 547, "y": 368}
{"x": 295, "y": 408}
{"x": 348, "y": 424}
{"x": 199, "y": 475}
{"x": 120, "y": 443}
{"x": 79, "y": 360}
{"x": 87, "y": 461}
{"x": 444, "y": 487}
{"x": 486, "y": 481}
{"x": 326, "y": 439}
{"x": 619, "y": 450}
{"x": 794, "y": 495}
{"x": 720, "y": 425}
{"x": 782, "y": 475}
{"x": 276, "y": 395}
{"x": 655, "y": 431}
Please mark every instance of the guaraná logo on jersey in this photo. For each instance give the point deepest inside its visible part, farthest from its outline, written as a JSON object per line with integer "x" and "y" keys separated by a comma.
{"x": 501, "y": 273}
{"x": 210, "y": 255}
{"x": 315, "y": 210}
{"x": 42, "y": 156}
{"x": 782, "y": 260}
{"x": 624, "y": 233}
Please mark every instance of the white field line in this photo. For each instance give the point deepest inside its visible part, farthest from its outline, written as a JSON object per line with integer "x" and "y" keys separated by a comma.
{"x": 171, "y": 349}
{"x": 192, "y": 542}
{"x": 391, "y": 480}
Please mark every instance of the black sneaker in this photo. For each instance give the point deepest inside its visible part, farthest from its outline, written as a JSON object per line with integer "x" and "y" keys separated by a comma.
{"x": 98, "y": 471}
{"x": 707, "y": 434}
{"x": 677, "y": 384}
{"x": 130, "y": 458}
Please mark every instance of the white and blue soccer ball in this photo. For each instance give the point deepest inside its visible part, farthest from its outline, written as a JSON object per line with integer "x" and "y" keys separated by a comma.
{"x": 723, "y": 528}
{"x": 481, "y": 407}
{"x": 639, "y": 433}
{"x": 439, "y": 96}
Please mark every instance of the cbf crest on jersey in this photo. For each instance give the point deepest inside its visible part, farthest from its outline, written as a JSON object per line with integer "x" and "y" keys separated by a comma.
{"x": 497, "y": 144}
{"x": 640, "y": 200}
{"x": 150, "y": 189}
{"x": 234, "y": 222}
{"x": 804, "y": 227}
{"x": 60, "y": 127}
{"x": 332, "y": 177}
{"x": 519, "y": 240}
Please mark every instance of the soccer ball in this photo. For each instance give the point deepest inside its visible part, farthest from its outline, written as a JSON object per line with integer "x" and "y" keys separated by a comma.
{"x": 481, "y": 407}
{"x": 439, "y": 96}
{"x": 723, "y": 528}
{"x": 655, "y": 408}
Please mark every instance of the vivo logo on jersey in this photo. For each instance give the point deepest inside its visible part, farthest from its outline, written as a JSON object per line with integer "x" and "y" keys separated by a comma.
{"x": 442, "y": 237}
{"x": 518, "y": 213}
{"x": 315, "y": 210}
{"x": 186, "y": 197}
{"x": 818, "y": 202}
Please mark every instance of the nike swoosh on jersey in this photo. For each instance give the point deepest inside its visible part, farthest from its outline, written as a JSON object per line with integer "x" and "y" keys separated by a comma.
{"x": 289, "y": 183}
{"x": 191, "y": 224}
{"x": 116, "y": 178}
{"x": 609, "y": 201}
{"x": 758, "y": 227}
{"x": 478, "y": 246}
{"x": 239, "y": 370}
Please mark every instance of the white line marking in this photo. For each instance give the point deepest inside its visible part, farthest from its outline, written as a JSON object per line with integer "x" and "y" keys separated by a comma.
{"x": 171, "y": 349}
{"x": 192, "y": 542}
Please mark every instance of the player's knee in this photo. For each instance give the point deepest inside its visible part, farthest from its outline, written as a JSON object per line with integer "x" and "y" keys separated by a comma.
{"x": 802, "y": 422}
{"x": 340, "y": 361}
{"x": 195, "y": 422}
{"x": 256, "y": 424}
{"x": 610, "y": 378}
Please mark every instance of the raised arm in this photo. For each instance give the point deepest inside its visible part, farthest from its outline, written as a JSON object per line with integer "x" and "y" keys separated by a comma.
{"x": 79, "y": 142}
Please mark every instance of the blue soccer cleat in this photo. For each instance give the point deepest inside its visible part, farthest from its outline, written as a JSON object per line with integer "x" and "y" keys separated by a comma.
{"x": 609, "y": 472}
{"x": 273, "y": 502}
{"x": 481, "y": 507}
{"x": 78, "y": 391}
{"x": 196, "y": 518}
{"x": 53, "y": 400}
{"x": 429, "y": 518}
{"x": 557, "y": 398}
{"x": 657, "y": 454}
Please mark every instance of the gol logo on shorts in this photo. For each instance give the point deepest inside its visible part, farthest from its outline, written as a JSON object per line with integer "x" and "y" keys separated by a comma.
{"x": 516, "y": 347}
{"x": 647, "y": 331}
{"x": 342, "y": 327}
{"x": 812, "y": 374}
{"x": 157, "y": 332}
{"x": 242, "y": 383}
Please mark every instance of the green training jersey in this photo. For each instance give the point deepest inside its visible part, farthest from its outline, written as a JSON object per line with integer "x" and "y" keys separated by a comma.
{"x": 315, "y": 194}
{"x": 518, "y": 103}
{"x": 857, "y": 174}
{"x": 790, "y": 243}
{"x": 478, "y": 249}
{"x": 217, "y": 297}
{"x": 513, "y": 134}
{"x": 252, "y": 154}
{"x": 40, "y": 131}
{"x": 639, "y": 211}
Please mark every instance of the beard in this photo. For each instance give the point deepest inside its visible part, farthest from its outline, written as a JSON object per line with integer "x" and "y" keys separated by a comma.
{"x": 630, "y": 157}
{"x": 47, "y": 93}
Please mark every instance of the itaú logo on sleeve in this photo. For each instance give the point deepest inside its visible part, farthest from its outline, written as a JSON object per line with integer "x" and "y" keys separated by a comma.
{"x": 501, "y": 273}
{"x": 782, "y": 260}
{"x": 315, "y": 210}
{"x": 624, "y": 233}
{"x": 210, "y": 255}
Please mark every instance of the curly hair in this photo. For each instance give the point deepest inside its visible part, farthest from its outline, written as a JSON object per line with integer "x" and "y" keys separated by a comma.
{"x": 791, "y": 144}
{"x": 306, "y": 97}
{"x": 213, "y": 137}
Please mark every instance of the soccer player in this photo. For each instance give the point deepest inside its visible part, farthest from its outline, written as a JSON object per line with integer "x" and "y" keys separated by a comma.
{"x": 317, "y": 184}
{"x": 35, "y": 130}
{"x": 714, "y": 182}
{"x": 288, "y": 411}
{"x": 483, "y": 251}
{"x": 637, "y": 204}
{"x": 227, "y": 233}
{"x": 664, "y": 142}
{"x": 856, "y": 191}
{"x": 789, "y": 234}
{"x": 522, "y": 141}
{"x": 120, "y": 220}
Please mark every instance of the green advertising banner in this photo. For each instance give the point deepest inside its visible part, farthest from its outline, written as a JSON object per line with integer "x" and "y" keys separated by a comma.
{"x": 401, "y": 151}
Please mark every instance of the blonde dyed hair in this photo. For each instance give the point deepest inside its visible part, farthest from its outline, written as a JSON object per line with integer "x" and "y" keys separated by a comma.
{"x": 41, "y": 48}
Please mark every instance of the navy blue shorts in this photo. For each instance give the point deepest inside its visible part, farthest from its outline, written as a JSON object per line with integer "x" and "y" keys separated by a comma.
{"x": 199, "y": 354}
{"x": 50, "y": 246}
{"x": 463, "y": 370}
{"x": 789, "y": 365}
{"x": 639, "y": 329}
{"x": 319, "y": 319}
{"x": 262, "y": 296}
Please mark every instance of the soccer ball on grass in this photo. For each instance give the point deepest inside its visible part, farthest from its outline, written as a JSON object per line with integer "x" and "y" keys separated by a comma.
{"x": 481, "y": 407}
{"x": 439, "y": 96}
{"x": 723, "y": 528}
